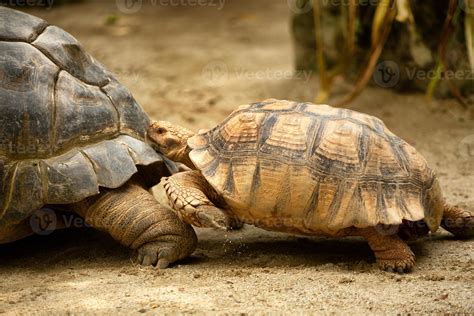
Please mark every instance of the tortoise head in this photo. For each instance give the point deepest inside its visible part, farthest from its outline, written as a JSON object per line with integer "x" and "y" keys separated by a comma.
{"x": 171, "y": 140}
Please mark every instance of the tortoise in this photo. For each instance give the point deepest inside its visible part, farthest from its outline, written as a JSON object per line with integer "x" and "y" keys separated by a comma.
{"x": 308, "y": 169}
{"x": 73, "y": 140}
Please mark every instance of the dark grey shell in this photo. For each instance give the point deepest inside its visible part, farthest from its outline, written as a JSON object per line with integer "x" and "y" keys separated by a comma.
{"x": 67, "y": 126}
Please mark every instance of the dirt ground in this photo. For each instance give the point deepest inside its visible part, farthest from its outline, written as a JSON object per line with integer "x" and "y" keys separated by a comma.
{"x": 193, "y": 65}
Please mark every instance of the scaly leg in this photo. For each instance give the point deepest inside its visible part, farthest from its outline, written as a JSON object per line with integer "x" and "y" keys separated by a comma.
{"x": 133, "y": 217}
{"x": 391, "y": 252}
{"x": 190, "y": 196}
{"x": 457, "y": 221}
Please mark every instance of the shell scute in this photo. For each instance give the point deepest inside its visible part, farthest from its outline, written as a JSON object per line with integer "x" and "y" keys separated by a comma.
{"x": 26, "y": 192}
{"x": 28, "y": 80}
{"x": 288, "y": 137}
{"x": 239, "y": 133}
{"x": 66, "y": 52}
{"x": 298, "y": 200}
{"x": 141, "y": 153}
{"x": 19, "y": 26}
{"x": 382, "y": 160}
{"x": 339, "y": 143}
{"x": 205, "y": 159}
{"x": 218, "y": 176}
{"x": 266, "y": 181}
{"x": 83, "y": 113}
{"x": 132, "y": 118}
{"x": 112, "y": 163}
{"x": 69, "y": 178}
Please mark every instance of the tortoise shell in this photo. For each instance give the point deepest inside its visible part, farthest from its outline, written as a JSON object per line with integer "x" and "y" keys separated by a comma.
{"x": 312, "y": 168}
{"x": 67, "y": 126}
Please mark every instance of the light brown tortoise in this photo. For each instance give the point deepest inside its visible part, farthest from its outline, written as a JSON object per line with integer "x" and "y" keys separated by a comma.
{"x": 308, "y": 169}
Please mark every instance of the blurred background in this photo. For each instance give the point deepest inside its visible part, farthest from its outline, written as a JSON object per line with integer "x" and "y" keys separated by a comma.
{"x": 211, "y": 55}
{"x": 408, "y": 62}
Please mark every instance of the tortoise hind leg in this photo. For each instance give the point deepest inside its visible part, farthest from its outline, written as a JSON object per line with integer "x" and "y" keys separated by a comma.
{"x": 190, "y": 195}
{"x": 133, "y": 217}
{"x": 391, "y": 252}
{"x": 457, "y": 221}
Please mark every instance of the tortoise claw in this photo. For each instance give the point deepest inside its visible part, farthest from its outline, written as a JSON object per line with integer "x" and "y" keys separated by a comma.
{"x": 163, "y": 261}
{"x": 207, "y": 220}
{"x": 213, "y": 217}
{"x": 397, "y": 266}
{"x": 156, "y": 254}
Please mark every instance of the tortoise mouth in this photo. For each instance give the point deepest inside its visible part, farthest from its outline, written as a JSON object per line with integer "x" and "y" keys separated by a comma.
{"x": 156, "y": 147}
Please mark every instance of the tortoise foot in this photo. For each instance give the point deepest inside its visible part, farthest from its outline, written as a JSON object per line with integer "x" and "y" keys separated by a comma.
{"x": 394, "y": 261}
{"x": 391, "y": 252}
{"x": 157, "y": 254}
{"x": 187, "y": 193}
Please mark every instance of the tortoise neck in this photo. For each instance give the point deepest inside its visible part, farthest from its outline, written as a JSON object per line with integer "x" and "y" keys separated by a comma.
{"x": 183, "y": 157}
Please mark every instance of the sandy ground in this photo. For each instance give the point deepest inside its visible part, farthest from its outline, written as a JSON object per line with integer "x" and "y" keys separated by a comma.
{"x": 193, "y": 65}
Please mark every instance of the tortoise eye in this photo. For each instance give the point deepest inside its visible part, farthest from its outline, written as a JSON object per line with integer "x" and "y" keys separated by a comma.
{"x": 161, "y": 130}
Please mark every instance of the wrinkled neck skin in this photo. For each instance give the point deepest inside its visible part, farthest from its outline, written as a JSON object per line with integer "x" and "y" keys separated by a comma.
{"x": 182, "y": 155}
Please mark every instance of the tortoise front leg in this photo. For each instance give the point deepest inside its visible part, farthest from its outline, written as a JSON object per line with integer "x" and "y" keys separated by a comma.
{"x": 190, "y": 196}
{"x": 391, "y": 252}
{"x": 133, "y": 217}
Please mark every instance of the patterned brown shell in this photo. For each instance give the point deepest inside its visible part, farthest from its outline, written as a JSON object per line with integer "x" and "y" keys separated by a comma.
{"x": 311, "y": 168}
{"x": 67, "y": 126}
